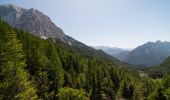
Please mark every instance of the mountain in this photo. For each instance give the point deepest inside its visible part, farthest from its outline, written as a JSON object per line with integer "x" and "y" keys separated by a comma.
{"x": 32, "y": 68}
{"x": 149, "y": 54}
{"x": 104, "y": 48}
{"x": 31, "y": 20}
{"x": 120, "y": 56}
{"x": 110, "y": 50}
{"x": 48, "y": 70}
{"x": 118, "y": 53}
{"x": 39, "y": 24}
{"x": 44, "y": 69}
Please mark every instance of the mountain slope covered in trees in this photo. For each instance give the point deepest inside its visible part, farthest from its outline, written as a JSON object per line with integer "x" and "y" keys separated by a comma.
{"x": 34, "y": 68}
{"x": 38, "y": 24}
{"x": 159, "y": 70}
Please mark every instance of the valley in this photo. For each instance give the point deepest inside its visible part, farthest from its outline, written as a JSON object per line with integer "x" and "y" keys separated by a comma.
{"x": 38, "y": 61}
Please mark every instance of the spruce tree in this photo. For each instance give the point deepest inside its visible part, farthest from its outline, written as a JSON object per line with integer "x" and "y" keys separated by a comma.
{"x": 124, "y": 90}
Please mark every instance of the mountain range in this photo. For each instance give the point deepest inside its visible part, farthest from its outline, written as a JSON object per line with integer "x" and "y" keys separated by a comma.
{"x": 50, "y": 68}
{"x": 39, "y": 63}
{"x": 110, "y": 50}
{"x": 39, "y": 24}
{"x": 146, "y": 55}
{"x": 149, "y": 54}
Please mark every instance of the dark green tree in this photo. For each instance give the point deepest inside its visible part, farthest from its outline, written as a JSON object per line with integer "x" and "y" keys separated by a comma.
{"x": 160, "y": 94}
{"x": 124, "y": 90}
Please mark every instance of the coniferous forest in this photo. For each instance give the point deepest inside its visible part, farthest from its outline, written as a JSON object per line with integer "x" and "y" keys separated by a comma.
{"x": 32, "y": 68}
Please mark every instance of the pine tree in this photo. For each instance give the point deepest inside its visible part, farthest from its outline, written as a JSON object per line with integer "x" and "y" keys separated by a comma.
{"x": 88, "y": 75}
{"x": 124, "y": 90}
{"x": 131, "y": 91}
{"x": 115, "y": 79}
{"x": 94, "y": 89}
{"x": 99, "y": 96}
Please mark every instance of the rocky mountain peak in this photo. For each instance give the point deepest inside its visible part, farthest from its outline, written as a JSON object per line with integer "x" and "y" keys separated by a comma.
{"x": 31, "y": 20}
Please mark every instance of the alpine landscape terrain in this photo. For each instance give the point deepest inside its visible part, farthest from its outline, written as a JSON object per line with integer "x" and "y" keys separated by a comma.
{"x": 39, "y": 61}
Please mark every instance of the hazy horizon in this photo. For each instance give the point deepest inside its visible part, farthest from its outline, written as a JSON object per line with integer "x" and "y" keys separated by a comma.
{"x": 113, "y": 23}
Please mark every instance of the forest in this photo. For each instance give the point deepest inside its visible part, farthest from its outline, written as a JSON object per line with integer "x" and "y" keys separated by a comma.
{"x": 32, "y": 68}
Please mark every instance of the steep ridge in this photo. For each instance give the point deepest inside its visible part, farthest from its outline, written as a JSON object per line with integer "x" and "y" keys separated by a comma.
{"x": 149, "y": 54}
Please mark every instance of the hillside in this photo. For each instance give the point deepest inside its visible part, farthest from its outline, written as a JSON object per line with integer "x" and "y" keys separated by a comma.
{"x": 56, "y": 65}
{"x": 149, "y": 54}
{"x": 52, "y": 70}
{"x": 36, "y": 68}
{"x": 39, "y": 24}
{"x": 159, "y": 70}
{"x": 122, "y": 55}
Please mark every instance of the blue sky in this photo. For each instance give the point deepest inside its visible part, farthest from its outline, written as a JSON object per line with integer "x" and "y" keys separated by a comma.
{"x": 114, "y": 23}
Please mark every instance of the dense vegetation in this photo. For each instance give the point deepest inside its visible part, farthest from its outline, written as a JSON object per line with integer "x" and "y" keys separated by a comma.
{"x": 32, "y": 68}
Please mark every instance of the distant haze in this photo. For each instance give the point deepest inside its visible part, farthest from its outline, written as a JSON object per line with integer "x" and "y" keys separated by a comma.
{"x": 114, "y": 23}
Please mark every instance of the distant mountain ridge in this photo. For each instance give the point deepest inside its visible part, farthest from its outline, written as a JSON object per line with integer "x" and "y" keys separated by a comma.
{"x": 110, "y": 50}
{"x": 149, "y": 54}
{"x": 120, "y": 56}
{"x": 146, "y": 55}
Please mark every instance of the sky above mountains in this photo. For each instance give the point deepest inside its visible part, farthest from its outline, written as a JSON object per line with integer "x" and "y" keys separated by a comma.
{"x": 115, "y": 23}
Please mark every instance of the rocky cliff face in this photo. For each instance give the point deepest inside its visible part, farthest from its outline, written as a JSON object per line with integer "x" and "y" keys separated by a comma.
{"x": 31, "y": 20}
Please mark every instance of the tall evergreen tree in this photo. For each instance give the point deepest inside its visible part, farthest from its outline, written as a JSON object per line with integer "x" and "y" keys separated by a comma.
{"x": 124, "y": 90}
{"x": 94, "y": 89}
{"x": 99, "y": 96}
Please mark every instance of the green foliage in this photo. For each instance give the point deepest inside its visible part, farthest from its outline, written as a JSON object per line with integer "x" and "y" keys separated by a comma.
{"x": 71, "y": 94}
{"x": 127, "y": 91}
